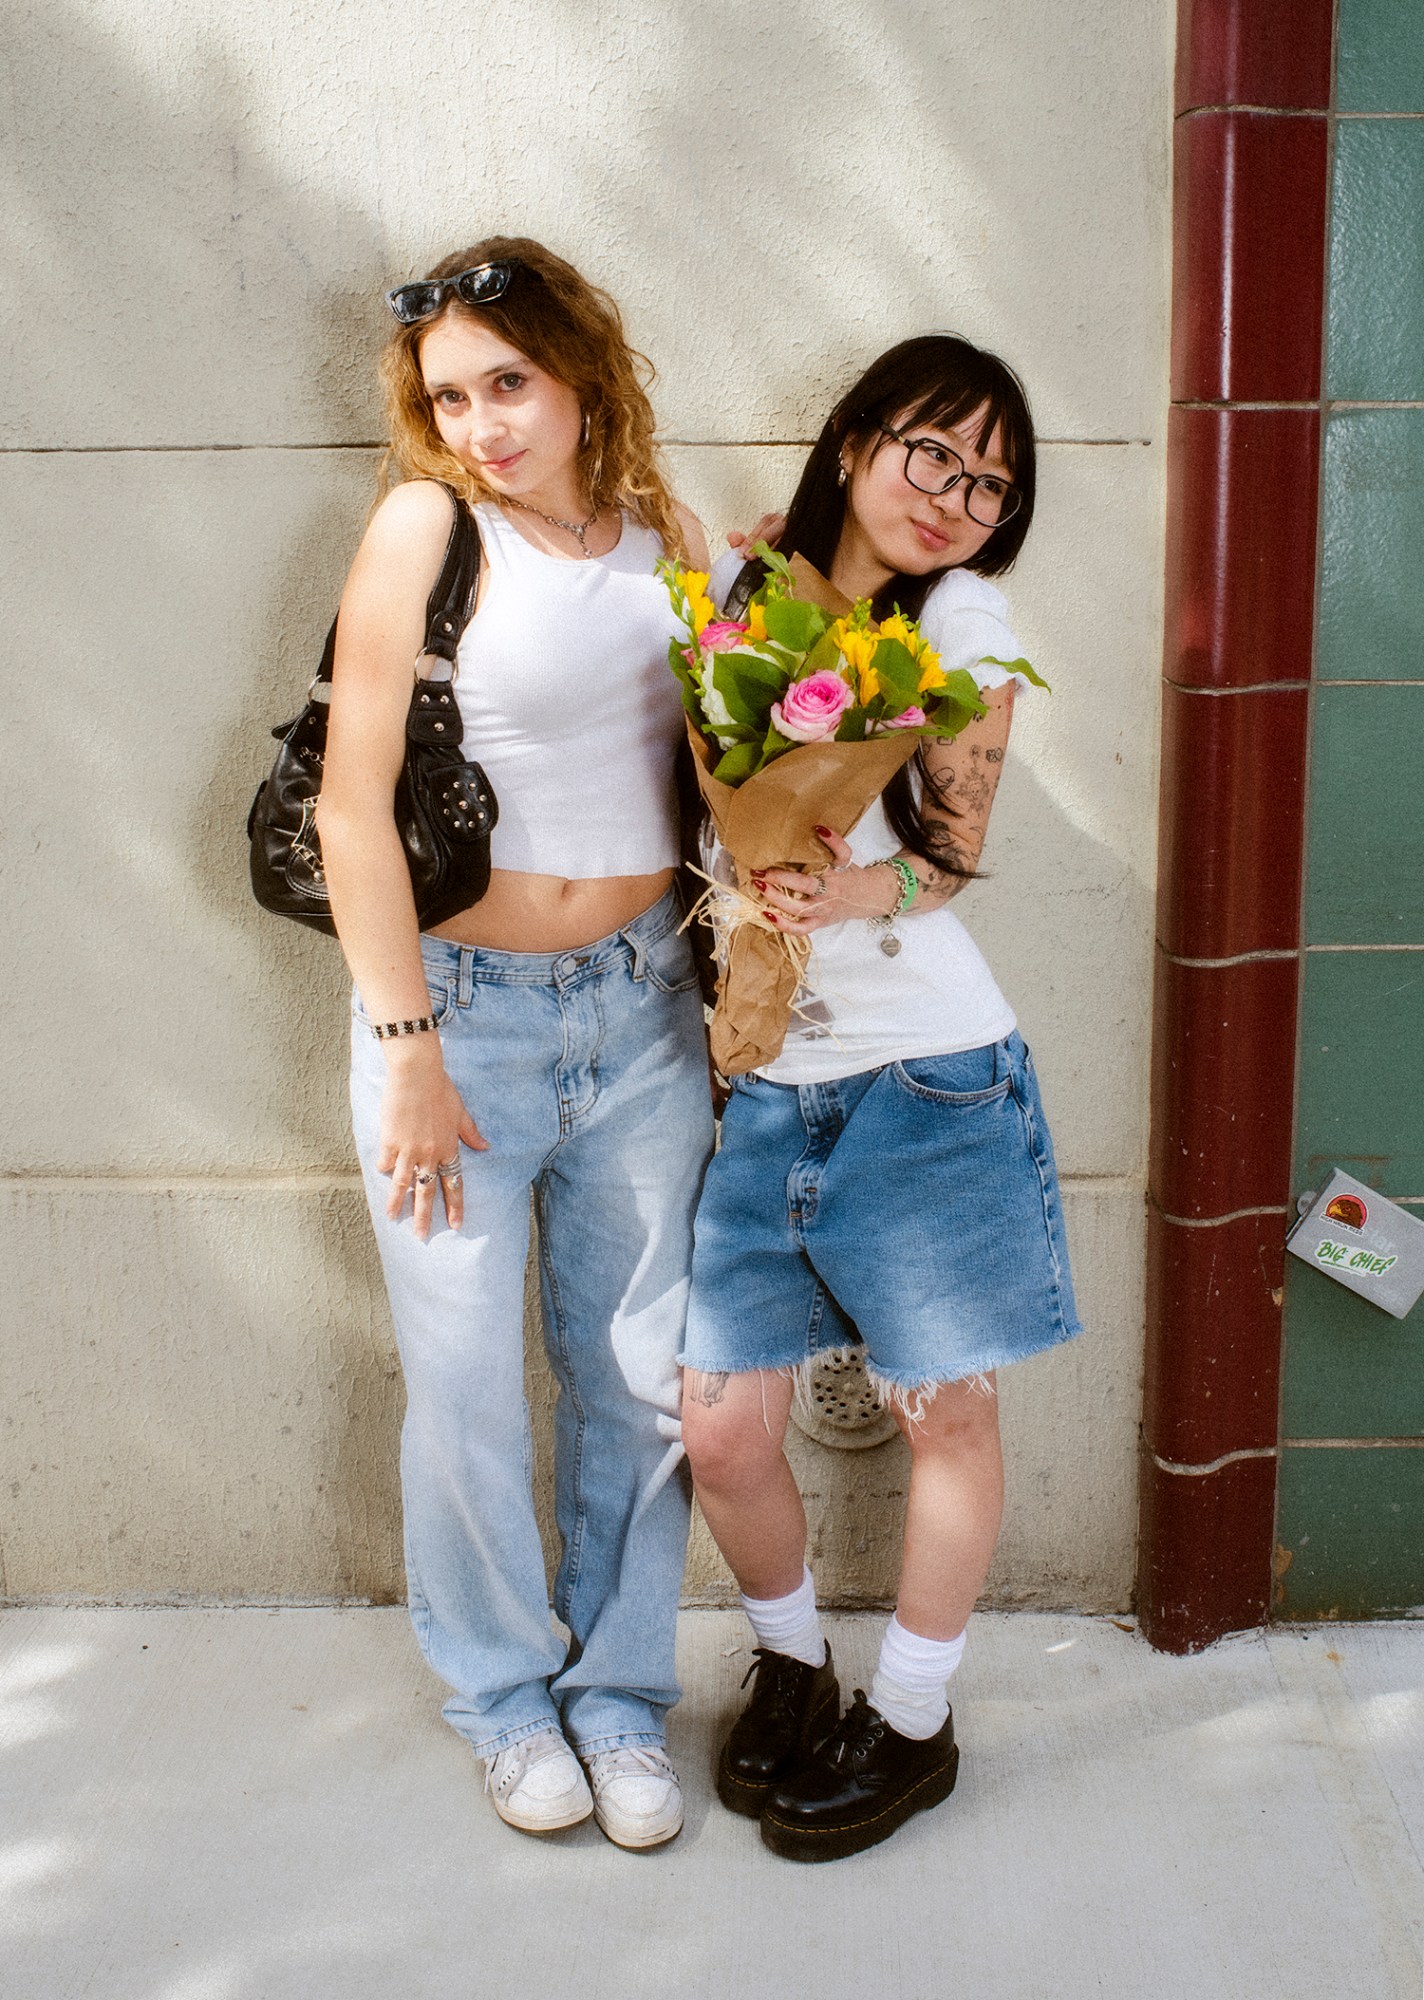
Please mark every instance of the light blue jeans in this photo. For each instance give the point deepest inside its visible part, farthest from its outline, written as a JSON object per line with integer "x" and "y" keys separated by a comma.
{"x": 587, "y": 1073}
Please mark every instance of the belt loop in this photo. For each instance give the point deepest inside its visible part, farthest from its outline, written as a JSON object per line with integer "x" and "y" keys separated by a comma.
{"x": 635, "y": 945}
{"x": 465, "y": 988}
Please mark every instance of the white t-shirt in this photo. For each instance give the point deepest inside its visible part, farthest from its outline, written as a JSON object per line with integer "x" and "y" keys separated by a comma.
{"x": 858, "y": 1008}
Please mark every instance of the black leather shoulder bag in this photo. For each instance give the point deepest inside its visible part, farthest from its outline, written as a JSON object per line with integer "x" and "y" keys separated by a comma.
{"x": 444, "y": 807}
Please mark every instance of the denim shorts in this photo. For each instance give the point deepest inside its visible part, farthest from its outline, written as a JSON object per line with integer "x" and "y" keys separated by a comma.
{"x": 914, "y": 1209}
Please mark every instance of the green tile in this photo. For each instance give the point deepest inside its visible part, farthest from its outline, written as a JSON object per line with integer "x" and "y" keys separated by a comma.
{"x": 1372, "y": 591}
{"x": 1376, "y": 342}
{"x": 1361, "y": 1098}
{"x": 1381, "y": 56}
{"x": 1350, "y": 1532}
{"x": 1365, "y": 817}
{"x": 1350, "y": 1371}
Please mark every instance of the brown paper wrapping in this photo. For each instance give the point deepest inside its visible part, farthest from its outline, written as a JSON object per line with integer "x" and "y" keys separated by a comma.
{"x": 769, "y": 822}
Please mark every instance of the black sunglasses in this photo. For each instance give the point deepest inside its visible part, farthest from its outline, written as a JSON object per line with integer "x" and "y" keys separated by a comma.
{"x": 423, "y": 297}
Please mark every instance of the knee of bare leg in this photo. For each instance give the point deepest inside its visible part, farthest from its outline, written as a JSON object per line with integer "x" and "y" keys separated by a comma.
{"x": 950, "y": 1416}
{"x": 725, "y": 1450}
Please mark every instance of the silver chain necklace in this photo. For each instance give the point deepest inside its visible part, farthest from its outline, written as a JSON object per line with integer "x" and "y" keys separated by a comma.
{"x": 578, "y": 529}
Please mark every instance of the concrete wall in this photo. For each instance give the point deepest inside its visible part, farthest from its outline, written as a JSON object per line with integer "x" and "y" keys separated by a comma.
{"x": 199, "y": 1391}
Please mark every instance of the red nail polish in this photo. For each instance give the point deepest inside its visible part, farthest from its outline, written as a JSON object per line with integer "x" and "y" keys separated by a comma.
{"x": 824, "y": 831}
{"x": 758, "y": 882}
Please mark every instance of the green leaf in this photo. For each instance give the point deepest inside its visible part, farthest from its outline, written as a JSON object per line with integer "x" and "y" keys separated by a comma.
{"x": 761, "y": 670}
{"x": 777, "y": 565}
{"x": 794, "y": 624}
{"x": 677, "y": 660}
{"x": 1020, "y": 667}
{"x": 961, "y": 688}
{"x": 852, "y": 729}
{"x": 748, "y": 697}
{"x": 898, "y": 674}
{"x": 823, "y": 656}
{"x": 738, "y": 764}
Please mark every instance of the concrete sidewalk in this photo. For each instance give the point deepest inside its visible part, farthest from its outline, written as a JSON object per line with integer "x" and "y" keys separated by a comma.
{"x": 264, "y": 1805}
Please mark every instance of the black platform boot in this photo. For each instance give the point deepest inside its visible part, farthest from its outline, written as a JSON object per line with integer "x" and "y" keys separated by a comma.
{"x": 792, "y": 1707}
{"x": 864, "y": 1781}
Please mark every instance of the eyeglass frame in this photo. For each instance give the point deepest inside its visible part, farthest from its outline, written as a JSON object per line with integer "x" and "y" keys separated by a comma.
{"x": 912, "y": 445}
{"x": 458, "y": 287}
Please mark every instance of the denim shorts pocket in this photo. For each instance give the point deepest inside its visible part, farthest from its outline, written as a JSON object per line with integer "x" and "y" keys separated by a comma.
{"x": 669, "y": 964}
{"x": 968, "y": 1076}
{"x": 442, "y": 998}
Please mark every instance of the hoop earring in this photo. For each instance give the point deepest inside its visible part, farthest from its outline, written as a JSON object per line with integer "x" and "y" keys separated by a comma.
{"x": 840, "y": 475}
{"x": 587, "y": 430}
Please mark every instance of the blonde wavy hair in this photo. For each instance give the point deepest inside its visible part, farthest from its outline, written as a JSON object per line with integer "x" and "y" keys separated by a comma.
{"x": 574, "y": 332}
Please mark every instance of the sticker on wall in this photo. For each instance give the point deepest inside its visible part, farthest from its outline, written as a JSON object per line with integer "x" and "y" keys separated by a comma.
{"x": 1363, "y": 1241}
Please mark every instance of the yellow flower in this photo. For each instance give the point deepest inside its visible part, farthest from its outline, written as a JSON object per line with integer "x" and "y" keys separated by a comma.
{"x": 699, "y": 604}
{"x": 756, "y": 621}
{"x": 932, "y": 674}
{"x": 858, "y": 651}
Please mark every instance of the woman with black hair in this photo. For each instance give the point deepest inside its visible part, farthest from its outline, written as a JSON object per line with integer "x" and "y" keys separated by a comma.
{"x": 887, "y": 1182}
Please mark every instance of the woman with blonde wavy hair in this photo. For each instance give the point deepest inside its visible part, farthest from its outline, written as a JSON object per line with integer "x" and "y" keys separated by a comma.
{"x": 546, "y": 1043}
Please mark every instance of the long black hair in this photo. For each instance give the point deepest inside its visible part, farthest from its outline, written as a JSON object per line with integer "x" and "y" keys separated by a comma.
{"x": 940, "y": 380}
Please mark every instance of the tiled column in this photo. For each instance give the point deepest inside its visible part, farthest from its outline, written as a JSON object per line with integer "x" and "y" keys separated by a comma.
{"x": 1350, "y": 1521}
{"x": 1253, "y": 89}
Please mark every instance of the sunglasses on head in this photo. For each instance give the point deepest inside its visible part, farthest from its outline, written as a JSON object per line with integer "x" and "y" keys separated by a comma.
{"x": 423, "y": 297}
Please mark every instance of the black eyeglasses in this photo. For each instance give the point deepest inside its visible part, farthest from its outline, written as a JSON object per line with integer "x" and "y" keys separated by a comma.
{"x": 423, "y": 298}
{"x": 932, "y": 467}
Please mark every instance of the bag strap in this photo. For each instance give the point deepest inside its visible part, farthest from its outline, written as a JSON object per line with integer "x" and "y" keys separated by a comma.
{"x": 452, "y": 602}
{"x": 449, "y": 608}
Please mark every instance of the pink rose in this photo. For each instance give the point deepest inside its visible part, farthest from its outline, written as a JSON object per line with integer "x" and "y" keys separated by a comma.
{"x": 811, "y": 710}
{"x": 721, "y": 636}
{"x": 910, "y": 718}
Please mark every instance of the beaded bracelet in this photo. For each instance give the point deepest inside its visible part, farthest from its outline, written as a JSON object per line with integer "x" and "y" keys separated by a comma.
{"x": 389, "y": 1031}
{"x": 909, "y": 884}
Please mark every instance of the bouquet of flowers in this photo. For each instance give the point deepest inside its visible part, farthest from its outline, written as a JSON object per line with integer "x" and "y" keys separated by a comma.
{"x": 798, "y": 717}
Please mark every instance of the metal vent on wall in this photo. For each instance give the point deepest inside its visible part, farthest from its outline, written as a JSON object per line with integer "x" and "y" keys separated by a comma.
{"x": 836, "y": 1404}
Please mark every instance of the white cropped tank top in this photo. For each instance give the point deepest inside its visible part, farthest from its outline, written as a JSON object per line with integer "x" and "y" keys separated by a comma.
{"x": 568, "y": 702}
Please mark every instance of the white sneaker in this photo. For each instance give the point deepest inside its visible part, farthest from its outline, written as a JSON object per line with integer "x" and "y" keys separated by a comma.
{"x": 537, "y": 1784}
{"x": 636, "y": 1797}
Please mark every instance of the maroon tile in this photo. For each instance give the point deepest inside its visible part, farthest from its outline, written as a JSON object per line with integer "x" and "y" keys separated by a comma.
{"x": 1232, "y": 821}
{"x": 1223, "y": 1061}
{"x": 1248, "y": 257}
{"x": 1254, "y": 52}
{"x": 1213, "y": 1336}
{"x": 1204, "y": 1552}
{"x": 1243, "y": 491}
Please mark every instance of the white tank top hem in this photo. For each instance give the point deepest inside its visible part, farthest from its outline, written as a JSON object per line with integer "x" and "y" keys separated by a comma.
{"x": 568, "y": 702}
{"x": 860, "y": 1009}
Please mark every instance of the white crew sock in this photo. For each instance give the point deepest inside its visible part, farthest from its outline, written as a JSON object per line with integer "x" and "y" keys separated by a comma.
{"x": 911, "y": 1681}
{"x": 789, "y": 1624}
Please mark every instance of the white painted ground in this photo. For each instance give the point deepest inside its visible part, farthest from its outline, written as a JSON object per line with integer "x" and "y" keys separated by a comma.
{"x": 264, "y": 1805}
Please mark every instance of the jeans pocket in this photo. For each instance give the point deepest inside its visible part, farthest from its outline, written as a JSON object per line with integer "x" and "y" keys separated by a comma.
{"x": 442, "y": 998}
{"x": 669, "y": 963}
{"x": 968, "y": 1076}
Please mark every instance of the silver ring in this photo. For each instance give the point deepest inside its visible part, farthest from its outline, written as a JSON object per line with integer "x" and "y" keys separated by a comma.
{"x": 455, "y": 1179}
{"x": 423, "y": 1176}
{"x": 820, "y": 888}
{"x": 447, "y": 1168}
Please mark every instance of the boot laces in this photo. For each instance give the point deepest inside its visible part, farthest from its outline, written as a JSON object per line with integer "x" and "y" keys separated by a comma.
{"x": 780, "y": 1680}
